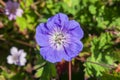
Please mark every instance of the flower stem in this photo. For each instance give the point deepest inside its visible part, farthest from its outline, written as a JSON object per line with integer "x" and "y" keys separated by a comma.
{"x": 70, "y": 71}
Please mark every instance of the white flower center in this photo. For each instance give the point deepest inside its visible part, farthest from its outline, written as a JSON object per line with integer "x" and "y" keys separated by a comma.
{"x": 58, "y": 39}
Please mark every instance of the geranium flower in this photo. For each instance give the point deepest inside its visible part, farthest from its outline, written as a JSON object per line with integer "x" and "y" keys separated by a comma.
{"x": 12, "y": 10}
{"x": 17, "y": 57}
{"x": 59, "y": 38}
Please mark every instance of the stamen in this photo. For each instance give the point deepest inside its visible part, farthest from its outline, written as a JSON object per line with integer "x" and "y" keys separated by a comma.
{"x": 58, "y": 39}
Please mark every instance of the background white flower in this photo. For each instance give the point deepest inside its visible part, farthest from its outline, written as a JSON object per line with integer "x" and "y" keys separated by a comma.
{"x": 17, "y": 57}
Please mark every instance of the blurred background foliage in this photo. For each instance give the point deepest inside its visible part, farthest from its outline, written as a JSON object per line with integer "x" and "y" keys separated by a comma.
{"x": 100, "y": 58}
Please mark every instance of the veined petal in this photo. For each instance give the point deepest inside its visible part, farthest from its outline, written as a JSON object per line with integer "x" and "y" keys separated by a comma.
{"x": 74, "y": 48}
{"x": 53, "y": 55}
{"x": 64, "y": 55}
{"x": 42, "y": 35}
{"x": 51, "y": 26}
{"x": 50, "y": 55}
{"x": 59, "y": 19}
{"x": 75, "y": 29}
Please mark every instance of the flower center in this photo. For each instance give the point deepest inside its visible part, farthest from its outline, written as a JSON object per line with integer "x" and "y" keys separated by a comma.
{"x": 16, "y": 58}
{"x": 58, "y": 39}
{"x": 12, "y": 10}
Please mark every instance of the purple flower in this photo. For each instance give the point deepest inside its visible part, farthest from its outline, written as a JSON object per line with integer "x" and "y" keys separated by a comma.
{"x": 12, "y": 10}
{"x": 59, "y": 38}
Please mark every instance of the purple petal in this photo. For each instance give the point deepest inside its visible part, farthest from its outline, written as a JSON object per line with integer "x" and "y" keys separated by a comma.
{"x": 59, "y": 19}
{"x": 12, "y": 17}
{"x": 53, "y": 55}
{"x": 74, "y": 48}
{"x": 9, "y": 4}
{"x": 51, "y": 26}
{"x": 50, "y": 55}
{"x": 42, "y": 35}
{"x": 75, "y": 29}
{"x": 16, "y": 5}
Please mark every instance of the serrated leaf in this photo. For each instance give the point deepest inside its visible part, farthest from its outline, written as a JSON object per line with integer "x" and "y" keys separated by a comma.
{"x": 100, "y": 59}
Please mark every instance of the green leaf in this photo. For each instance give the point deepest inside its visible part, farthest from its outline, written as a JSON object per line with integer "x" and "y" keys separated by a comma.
{"x": 49, "y": 71}
{"x": 93, "y": 1}
{"x": 22, "y": 23}
{"x": 39, "y": 65}
{"x": 101, "y": 57}
{"x": 108, "y": 76}
{"x": 39, "y": 72}
{"x": 92, "y": 9}
{"x": 28, "y": 3}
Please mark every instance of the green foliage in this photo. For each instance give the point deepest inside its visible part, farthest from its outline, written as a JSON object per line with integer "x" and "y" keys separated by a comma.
{"x": 92, "y": 9}
{"x": 44, "y": 70}
{"x": 114, "y": 76}
{"x": 22, "y": 20}
{"x": 39, "y": 72}
{"x": 49, "y": 72}
{"x": 100, "y": 53}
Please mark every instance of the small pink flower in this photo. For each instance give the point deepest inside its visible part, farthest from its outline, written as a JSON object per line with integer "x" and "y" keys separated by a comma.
{"x": 12, "y": 10}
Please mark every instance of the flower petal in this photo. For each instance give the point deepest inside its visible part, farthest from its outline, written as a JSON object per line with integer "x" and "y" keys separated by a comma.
{"x": 75, "y": 29}
{"x": 22, "y": 53}
{"x": 9, "y": 4}
{"x": 51, "y": 26}
{"x": 15, "y": 5}
{"x": 22, "y": 61}
{"x": 59, "y": 19}
{"x": 42, "y": 35}
{"x": 10, "y": 59}
{"x": 13, "y": 50}
{"x": 53, "y": 55}
{"x": 74, "y": 48}
{"x": 11, "y": 17}
{"x": 49, "y": 54}
{"x": 19, "y": 12}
